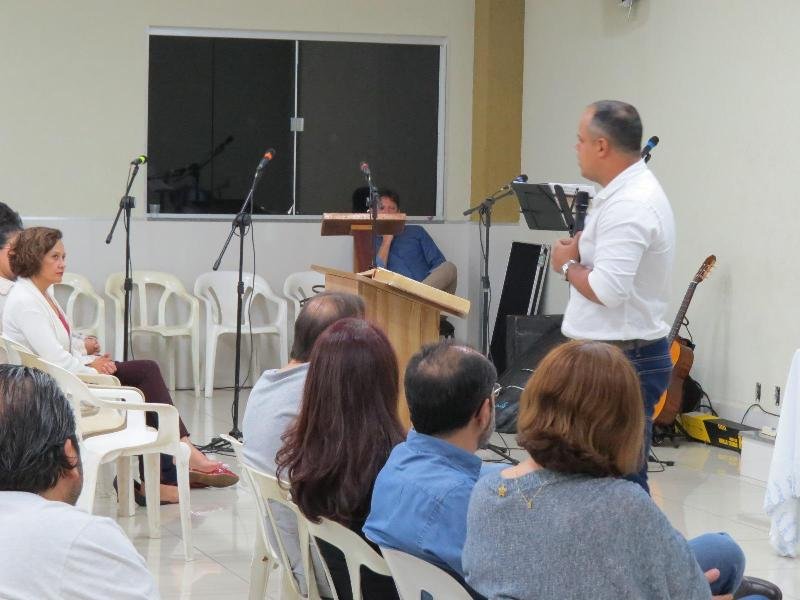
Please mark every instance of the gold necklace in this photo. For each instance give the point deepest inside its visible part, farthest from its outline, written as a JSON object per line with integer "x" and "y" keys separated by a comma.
{"x": 502, "y": 490}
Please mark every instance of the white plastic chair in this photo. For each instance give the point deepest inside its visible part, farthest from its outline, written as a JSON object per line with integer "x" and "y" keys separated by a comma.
{"x": 264, "y": 558}
{"x": 357, "y": 552}
{"x": 217, "y": 290}
{"x": 300, "y": 285}
{"x": 412, "y": 576}
{"x": 129, "y": 437}
{"x": 13, "y": 350}
{"x": 77, "y": 286}
{"x": 170, "y": 286}
{"x": 269, "y": 491}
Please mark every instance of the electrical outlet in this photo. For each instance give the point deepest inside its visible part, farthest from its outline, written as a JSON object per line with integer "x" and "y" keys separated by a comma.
{"x": 777, "y": 395}
{"x": 758, "y": 391}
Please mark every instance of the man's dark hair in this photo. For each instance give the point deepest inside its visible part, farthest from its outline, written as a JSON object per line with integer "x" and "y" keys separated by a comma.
{"x": 619, "y": 122}
{"x": 391, "y": 194}
{"x": 446, "y": 384}
{"x": 35, "y": 422}
{"x": 319, "y": 312}
{"x": 10, "y": 223}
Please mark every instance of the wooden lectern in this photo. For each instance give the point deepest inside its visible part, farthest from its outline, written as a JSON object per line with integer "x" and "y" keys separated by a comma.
{"x": 407, "y": 311}
{"x": 359, "y": 225}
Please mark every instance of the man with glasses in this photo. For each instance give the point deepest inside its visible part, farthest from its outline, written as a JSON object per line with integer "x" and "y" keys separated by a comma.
{"x": 420, "y": 500}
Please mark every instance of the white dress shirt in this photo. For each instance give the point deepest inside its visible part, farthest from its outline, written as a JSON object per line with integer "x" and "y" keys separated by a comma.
{"x": 629, "y": 243}
{"x": 51, "y": 550}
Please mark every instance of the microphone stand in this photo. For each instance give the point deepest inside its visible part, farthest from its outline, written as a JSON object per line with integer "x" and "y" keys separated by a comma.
{"x": 241, "y": 221}
{"x": 373, "y": 216}
{"x": 484, "y": 210}
{"x": 126, "y": 204}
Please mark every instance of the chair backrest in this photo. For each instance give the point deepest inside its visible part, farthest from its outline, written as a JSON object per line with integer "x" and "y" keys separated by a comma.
{"x": 412, "y": 576}
{"x": 14, "y": 350}
{"x": 31, "y": 360}
{"x": 269, "y": 491}
{"x": 165, "y": 283}
{"x": 92, "y": 417}
{"x": 218, "y": 290}
{"x": 357, "y": 552}
{"x": 77, "y": 286}
{"x": 300, "y": 285}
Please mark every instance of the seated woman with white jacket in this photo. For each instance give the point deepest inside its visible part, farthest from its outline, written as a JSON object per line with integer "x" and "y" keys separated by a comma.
{"x": 33, "y": 318}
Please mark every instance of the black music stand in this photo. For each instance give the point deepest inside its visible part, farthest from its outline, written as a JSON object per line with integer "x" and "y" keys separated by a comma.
{"x": 542, "y": 208}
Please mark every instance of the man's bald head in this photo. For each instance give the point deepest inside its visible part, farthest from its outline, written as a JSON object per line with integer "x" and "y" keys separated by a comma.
{"x": 446, "y": 384}
{"x": 318, "y": 313}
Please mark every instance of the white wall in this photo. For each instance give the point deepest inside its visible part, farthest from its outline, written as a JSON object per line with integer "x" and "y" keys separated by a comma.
{"x": 188, "y": 248}
{"x": 715, "y": 80}
{"x": 74, "y": 78}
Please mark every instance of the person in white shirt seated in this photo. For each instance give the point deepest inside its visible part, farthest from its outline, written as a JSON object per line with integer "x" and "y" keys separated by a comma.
{"x": 10, "y": 226}
{"x": 33, "y": 318}
{"x": 48, "y": 548}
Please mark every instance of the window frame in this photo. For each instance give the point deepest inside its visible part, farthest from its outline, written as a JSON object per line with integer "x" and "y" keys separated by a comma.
{"x": 439, "y": 41}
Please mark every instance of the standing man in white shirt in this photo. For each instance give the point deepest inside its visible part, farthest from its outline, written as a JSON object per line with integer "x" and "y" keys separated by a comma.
{"x": 48, "y": 548}
{"x": 619, "y": 268}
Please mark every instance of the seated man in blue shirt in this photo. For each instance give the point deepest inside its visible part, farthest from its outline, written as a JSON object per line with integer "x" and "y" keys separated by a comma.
{"x": 420, "y": 500}
{"x": 412, "y": 252}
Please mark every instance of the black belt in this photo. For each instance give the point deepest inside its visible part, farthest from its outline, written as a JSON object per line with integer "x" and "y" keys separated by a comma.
{"x": 626, "y": 345}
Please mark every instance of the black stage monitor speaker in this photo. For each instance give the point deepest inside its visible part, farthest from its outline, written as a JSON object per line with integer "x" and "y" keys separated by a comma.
{"x": 522, "y": 291}
{"x": 529, "y": 340}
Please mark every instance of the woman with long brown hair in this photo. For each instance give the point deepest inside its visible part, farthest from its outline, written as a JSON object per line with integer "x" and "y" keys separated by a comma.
{"x": 344, "y": 433}
{"x": 564, "y": 523}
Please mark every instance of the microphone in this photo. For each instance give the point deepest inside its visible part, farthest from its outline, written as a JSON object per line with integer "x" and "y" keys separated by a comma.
{"x": 651, "y": 143}
{"x": 364, "y": 167}
{"x": 268, "y": 156}
{"x": 581, "y": 206}
{"x": 139, "y": 160}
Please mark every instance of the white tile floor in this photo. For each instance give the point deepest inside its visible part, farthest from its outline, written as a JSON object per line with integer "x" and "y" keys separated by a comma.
{"x": 702, "y": 492}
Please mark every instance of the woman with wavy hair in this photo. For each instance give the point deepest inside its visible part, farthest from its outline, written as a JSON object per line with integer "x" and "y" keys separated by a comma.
{"x": 564, "y": 523}
{"x": 33, "y": 318}
{"x": 344, "y": 433}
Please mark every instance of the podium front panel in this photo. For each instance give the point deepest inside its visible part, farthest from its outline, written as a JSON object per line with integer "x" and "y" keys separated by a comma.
{"x": 408, "y": 324}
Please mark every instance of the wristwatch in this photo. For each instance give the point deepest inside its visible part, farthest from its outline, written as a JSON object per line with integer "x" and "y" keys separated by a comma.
{"x": 565, "y": 267}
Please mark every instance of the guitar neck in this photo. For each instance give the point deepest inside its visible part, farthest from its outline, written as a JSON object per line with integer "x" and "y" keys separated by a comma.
{"x": 676, "y": 325}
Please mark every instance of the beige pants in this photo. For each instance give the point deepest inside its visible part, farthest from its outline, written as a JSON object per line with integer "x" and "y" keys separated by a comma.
{"x": 444, "y": 277}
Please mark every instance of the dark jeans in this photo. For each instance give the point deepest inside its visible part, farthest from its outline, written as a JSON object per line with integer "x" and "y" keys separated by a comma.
{"x": 654, "y": 366}
{"x": 146, "y": 376}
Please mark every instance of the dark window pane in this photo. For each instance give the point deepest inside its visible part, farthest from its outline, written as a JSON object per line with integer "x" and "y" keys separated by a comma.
{"x": 374, "y": 102}
{"x": 215, "y": 106}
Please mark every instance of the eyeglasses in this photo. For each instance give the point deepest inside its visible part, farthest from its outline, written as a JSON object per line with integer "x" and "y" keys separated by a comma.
{"x": 496, "y": 389}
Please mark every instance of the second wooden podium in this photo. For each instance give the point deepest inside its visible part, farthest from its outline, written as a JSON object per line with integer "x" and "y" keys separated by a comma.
{"x": 406, "y": 310}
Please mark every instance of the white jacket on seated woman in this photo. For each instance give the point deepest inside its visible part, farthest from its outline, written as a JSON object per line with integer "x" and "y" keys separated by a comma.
{"x": 28, "y": 319}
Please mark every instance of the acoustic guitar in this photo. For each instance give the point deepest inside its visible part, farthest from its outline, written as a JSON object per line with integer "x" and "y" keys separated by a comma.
{"x": 669, "y": 405}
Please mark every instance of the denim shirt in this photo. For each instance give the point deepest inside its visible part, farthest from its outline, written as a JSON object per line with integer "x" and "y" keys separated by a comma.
{"x": 413, "y": 253}
{"x": 420, "y": 500}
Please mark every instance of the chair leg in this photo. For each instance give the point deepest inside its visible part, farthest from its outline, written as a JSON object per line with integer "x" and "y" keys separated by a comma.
{"x": 211, "y": 356}
{"x": 195, "y": 341}
{"x": 91, "y": 464}
{"x": 125, "y": 501}
{"x": 259, "y": 569}
{"x": 152, "y": 490}
{"x": 118, "y": 348}
{"x": 170, "y": 352}
{"x": 182, "y": 467}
